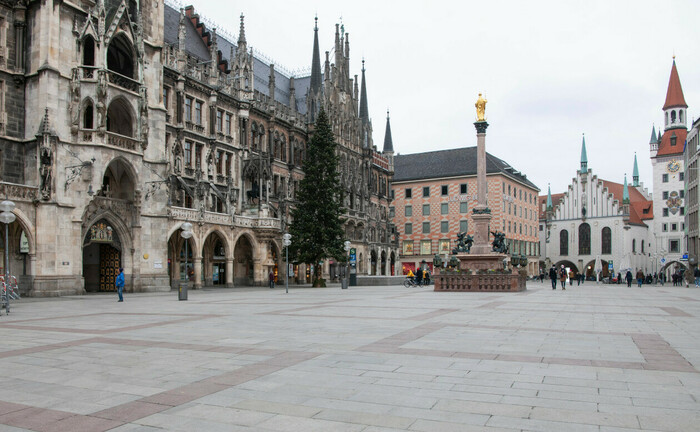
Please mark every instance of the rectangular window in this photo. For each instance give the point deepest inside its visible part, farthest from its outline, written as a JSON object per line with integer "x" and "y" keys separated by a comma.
{"x": 682, "y": 193}
{"x": 188, "y": 109}
{"x": 219, "y": 162}
{"x": 463, "y": 226}
{"x": 674, "y": 227}
{"x": 665, "y": 211}
{"x": 426, "y": 227}
{"x": 408, "y": 211}
{"x": 444, "y": 226}
{"x": 664, "y": 178}
{"x": 408, "y": 228}
{"x": 409, "y": 193}
{"x": 682, "y": 211}
{"x": 408, "y": 247}
{"x": 664, "y": 195}
{"x": 198, "y": 156}
{"x": 681, "y": 176}
{"x": 165, "y": 99}
{"x": 426, "y": 191}
{"x": 426, "y": 247}
{"x": 198, "y": 112}
{"x": 426, "y": 209}
{"x": 228, "y": 124}
{"x": 674, "y": 246}
{"x": 229, "y": 156}
{"x": 219, "y": 121}
{"x": 392, "y": 212}
{"x": 463, "y": 207}
{"x": 444, "y": 208}
{"x": 463, "y": 188}
{"x": 443, "y": 190}
{"x": 444, "y": 247}
{"x": 188, "y": 153}
{"x": 664, "y": 227}
{"x": 541, "y": 227}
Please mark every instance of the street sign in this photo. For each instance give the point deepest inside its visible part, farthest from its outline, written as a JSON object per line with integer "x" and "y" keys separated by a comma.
{"x": 610, "y": 265}
{"x": 685, "y": 257}
{"x": 663, "y": 260}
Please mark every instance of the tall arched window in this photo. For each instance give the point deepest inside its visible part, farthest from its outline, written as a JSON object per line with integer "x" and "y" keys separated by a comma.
{"x": 584, "y": 239}
{"x": 680, "y": 116}
{"x": 642, "y": 244}
{"x": 673, "y": 116}
{"x": 88, "y": 51}
{"x": 634, "y": 245}
{"x": 606, "y": 241}
{"x": 564, "y": 242}
{"x": 119, "y": 118}
{"x": 120, "y": 56}
{"x": 88, "y": 115}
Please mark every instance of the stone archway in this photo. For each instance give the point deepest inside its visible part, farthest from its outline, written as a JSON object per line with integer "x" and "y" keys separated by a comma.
{"x": 102, "y": 257}
{"x": 392, "y": 262}
{"x": 383, "y": 263}
{"x": 215, "y": 253}
{"x": 373, "y": 263}
{"x": 21, "y": 252}
{"x": 181, "y": 259}
{"x": 243, "y": 263}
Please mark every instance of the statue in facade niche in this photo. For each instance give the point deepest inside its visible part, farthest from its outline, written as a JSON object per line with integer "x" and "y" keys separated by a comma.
{"x": 74, "y": 106}
{"x": 45, "y": 170}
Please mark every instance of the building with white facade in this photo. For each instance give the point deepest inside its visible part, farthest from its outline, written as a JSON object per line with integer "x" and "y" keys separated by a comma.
{"x": 668, "y": 166}
{"x": 597, "y": 226}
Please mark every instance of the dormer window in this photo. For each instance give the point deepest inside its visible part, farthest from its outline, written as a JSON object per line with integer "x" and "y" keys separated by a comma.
{"x": 673, "y": 137}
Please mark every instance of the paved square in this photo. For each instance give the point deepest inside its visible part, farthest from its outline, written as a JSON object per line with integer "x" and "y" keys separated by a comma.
{"x": 591, "y": 358}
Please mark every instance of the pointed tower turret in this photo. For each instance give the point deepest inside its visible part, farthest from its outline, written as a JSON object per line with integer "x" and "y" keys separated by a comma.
{"x": 653, "y": 142}
{"x": 584, "y": 156}
{"x": 315, "y": 90}
{"x": 243, "y": 66}
{"x": 675, "y": 108}
{"x": 550, "y": 207}
{"x": 388, "y": 142}
{"x": 635, "y": 172}
{"x": 625, "y": 192}
{"x": 364, "y": 112}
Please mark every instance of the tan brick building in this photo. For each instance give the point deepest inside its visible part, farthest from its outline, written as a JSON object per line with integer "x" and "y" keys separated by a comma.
{"x": 434, "y": 195}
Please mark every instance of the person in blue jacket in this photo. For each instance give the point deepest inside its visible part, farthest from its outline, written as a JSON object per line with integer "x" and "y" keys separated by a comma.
{"x": 119, "y": 283}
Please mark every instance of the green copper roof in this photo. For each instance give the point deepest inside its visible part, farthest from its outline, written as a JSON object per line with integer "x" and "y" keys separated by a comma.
{"x": 635, "y": 172}
{"x": 549, "y": 198}
{"x": 584, "y": 157}
{"x": 625, "y": 193}
{"x": 654, "y": 139}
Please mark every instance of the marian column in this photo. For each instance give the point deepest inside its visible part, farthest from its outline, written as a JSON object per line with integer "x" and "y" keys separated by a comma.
{"x": 481, "y": 214}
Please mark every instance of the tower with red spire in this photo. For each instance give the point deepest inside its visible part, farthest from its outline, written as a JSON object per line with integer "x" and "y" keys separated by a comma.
{"x": 669, "y": 174}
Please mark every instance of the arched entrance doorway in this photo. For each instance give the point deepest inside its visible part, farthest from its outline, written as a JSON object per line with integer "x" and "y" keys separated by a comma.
{"x": 590, "y": 272}
{"x": 180, "y": 269}
{"x": 383, "y": 263}
{"x": 392, "y": 261}
{"x": 102, "y": 257}
{"x": 243, "y": 266}
{"x": 19, "y": 251}
{"x": 214, "y": 255}
{"x": 373, "y": 263}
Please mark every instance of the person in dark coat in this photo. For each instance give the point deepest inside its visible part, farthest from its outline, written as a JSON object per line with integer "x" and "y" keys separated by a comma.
{"x": 628, "y": 278}
{"x": 554, "y": 277}
{"x": 419, "y": 276}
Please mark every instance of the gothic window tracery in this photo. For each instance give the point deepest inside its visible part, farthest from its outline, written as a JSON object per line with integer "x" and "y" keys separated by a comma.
{"x": 564, "y": 242}
{"x": 119, "y": 118}
{"x": 606, "y": 241}
{"x": 584, "y": 239}
{"x": 120, "y": 56}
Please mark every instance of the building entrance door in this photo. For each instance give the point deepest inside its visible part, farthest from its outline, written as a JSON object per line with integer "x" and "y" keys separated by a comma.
{"x": 110, "y": 261}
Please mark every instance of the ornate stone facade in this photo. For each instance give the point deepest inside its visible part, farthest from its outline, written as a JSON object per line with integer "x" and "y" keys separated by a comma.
{"x": 136, "y": 116}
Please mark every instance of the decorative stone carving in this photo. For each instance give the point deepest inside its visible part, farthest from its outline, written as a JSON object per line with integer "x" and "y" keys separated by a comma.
{"x": 143, "y": 111}
{"x": 74, "y": 106}
{"x": 101, "y": 107}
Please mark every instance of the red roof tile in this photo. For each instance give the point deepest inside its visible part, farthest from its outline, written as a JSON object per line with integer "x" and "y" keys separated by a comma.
{"x": 674, "y": 94}
{"x": 666, "y": 149}
{"x": 542, "y": 200}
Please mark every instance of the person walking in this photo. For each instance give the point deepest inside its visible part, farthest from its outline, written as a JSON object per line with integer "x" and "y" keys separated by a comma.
{"x": 271, "y": 278}
{"x": 640, "y": 277}
{"x": 119, "y": 284}
{"x": 628, "y": 278}
{"x": 553, "y": 277}
{"x": 562, "y": 277}
{"x": 419, "y": 276}
{"x": 696, "y": 273}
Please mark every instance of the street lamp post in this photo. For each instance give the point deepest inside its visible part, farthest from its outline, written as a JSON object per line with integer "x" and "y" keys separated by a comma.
{"x": 186, "y": 234}
{"x": 286, "y": 241}
{"x": 7, "y": 217}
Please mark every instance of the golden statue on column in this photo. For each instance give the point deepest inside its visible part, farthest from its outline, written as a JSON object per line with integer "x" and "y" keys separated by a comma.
{"x": 480, "y": 108}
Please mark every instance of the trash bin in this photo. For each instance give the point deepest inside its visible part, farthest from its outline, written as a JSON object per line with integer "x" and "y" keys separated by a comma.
{"x": 182, "y": 293}
{"x": 344, "y": 283}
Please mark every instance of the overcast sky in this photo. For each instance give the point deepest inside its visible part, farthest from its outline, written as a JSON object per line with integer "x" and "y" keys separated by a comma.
{"x": 550, "y": 71}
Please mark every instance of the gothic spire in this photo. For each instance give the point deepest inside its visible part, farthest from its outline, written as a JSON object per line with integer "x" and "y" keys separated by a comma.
{"x": 388, "y": 142}
{"x": 625, "y": 192}
{"x": 635, "y": 172}
{"x": 674, "y": 94}
{"x": 584, "y": 157}
{"x": 654, "y": 139}
{"x": 316, "y": 63}
{"x": 364, "y": 113}
{"x": 241, "y": 32}
{"x": 549, "y": 198}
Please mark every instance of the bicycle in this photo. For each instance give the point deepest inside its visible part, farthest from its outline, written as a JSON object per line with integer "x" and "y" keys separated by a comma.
{"x": 411, "y": 283}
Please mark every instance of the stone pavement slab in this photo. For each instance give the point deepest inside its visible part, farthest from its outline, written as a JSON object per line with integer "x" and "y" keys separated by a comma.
{"x": 600, "y": 358}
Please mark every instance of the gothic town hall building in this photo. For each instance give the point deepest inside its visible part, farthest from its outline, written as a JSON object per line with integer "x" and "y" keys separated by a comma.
{"x": 122, "y": 119}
